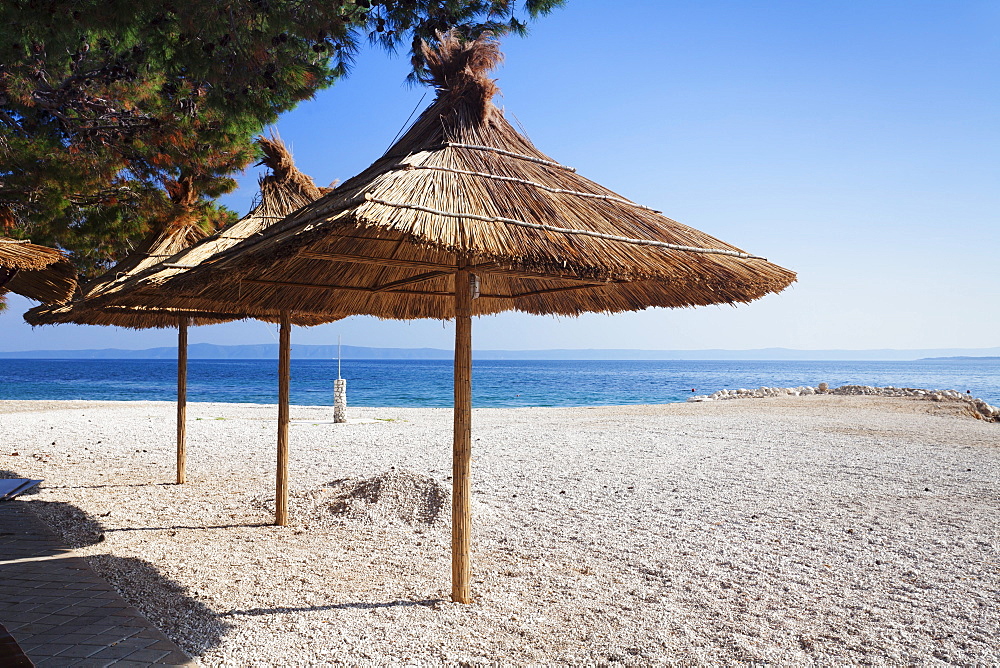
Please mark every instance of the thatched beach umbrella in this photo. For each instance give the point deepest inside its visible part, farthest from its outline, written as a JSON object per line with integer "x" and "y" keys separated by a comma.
{"x": 283, "y": 189}
{"x": 463, "y": 216}
{"x": 176, "y": 249}
{"x": 37, "y": 272}
{"x": 181, "y": 245}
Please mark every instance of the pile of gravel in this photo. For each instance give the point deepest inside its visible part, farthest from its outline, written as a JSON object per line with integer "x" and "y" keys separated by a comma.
{"x": 395, "y": 498}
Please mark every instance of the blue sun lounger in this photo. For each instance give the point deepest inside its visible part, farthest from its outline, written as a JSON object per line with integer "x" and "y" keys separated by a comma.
{"x": 11, "y": 487}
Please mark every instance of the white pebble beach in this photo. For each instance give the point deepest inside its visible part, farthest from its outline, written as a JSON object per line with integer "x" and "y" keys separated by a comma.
{"x": 824, "y": 530}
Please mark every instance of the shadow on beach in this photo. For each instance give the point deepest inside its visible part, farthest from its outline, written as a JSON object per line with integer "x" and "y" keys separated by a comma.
{"x": 138, "y": 484}
{"x": 8, "y": 474}
{"x": 187, "y": 621}
{"x": 73, "y": 526}
{"x": 248, "y": 525}
{"x": 358, "y": 605}
{"x": 165, "y": 603}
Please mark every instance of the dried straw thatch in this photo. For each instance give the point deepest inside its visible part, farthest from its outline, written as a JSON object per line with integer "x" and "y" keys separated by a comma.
{"x": 182, "y": 246}
{"x": 37, "y": 272}
{"x": 24, "y": 255}
{"x": 153, "y": 250}
{"x": 462, "y": 188}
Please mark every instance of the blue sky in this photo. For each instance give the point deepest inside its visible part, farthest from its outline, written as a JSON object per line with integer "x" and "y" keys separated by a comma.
{"x": 855, "y": 143}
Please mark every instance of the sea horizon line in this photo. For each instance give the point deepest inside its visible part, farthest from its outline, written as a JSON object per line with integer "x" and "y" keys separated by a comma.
{"x": 207, "y": 351}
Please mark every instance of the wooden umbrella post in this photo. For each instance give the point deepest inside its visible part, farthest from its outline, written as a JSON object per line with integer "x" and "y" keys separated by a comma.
{"x": 461, "y": 520}
{"x": 182, "y": 363}
{"x": 284, "y": 372}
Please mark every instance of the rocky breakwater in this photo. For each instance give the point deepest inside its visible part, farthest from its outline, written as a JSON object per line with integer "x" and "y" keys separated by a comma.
{"x": 975, "y": 406}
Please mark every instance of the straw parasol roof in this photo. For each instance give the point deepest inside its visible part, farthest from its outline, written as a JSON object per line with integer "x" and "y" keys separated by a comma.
{"x": 463, "y": 187}
{"x": 183, "y": 245}
{"x": 464, "y": 216}
{"x": 37, "y": 272}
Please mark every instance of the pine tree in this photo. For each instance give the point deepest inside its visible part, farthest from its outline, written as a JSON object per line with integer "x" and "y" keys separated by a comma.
{"x": 102, "y": 102}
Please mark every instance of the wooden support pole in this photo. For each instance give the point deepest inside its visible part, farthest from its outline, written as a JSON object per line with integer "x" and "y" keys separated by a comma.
{"x": 461, "y": 520}
{"x": 182, "y": 365}
{"x": 284, "y": 373}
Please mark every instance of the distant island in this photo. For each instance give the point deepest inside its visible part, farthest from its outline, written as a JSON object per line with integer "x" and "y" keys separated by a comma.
{"x": 328, "y": 352}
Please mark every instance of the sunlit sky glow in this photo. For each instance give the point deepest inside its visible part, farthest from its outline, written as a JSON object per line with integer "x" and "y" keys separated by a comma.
{"x": 855, "y": 143}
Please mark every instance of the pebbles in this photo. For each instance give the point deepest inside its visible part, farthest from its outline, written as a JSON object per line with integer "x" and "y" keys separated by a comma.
{"x": 826, "y": 529}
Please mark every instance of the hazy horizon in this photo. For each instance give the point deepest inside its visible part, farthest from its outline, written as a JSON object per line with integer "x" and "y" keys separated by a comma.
{"x": 331, "y": 351}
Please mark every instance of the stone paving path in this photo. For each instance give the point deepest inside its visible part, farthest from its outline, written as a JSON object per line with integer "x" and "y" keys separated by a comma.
{"x": 60, "y": 613}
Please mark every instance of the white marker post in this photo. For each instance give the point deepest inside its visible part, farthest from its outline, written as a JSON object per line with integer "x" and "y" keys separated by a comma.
{"x": 339, "y": 392}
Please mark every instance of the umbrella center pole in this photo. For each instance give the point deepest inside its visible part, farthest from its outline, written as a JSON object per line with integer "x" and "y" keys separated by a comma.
{"x": 461, "y": 521}
{"x": 182, "y": 361}
{"x": 284, "y": 373}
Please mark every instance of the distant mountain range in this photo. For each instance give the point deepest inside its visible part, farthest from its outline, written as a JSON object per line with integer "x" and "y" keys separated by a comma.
{"x": 327, "y": 352}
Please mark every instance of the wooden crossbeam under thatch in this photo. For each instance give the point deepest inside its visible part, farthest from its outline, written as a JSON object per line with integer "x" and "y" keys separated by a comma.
{"x": 346, "y": 288}
{"x": 486, "y": 267}
{"x": 425, "y": 277}
{"x": 420, "y": 278}
{"x": 389, "y": 262}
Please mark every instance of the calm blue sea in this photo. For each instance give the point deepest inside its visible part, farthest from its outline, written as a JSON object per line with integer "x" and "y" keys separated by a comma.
{"x": 495, "y": 383}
